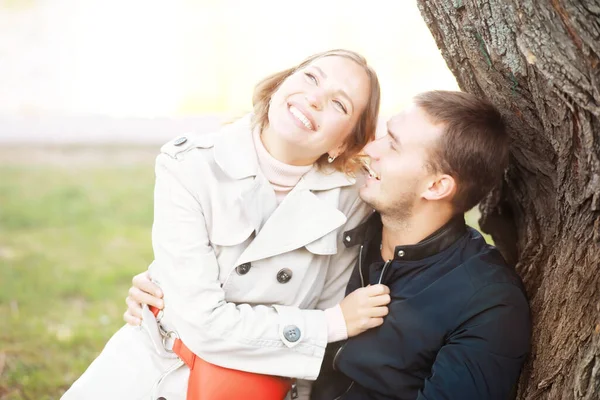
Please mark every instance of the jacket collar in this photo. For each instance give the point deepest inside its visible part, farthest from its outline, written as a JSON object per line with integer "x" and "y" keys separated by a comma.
{"x": 235, "y": 154}
{"x": 431, "y": 245}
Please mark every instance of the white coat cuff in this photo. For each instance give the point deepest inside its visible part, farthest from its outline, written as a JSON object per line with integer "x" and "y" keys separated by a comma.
{"x": 302, "y": 326}
{"x": 336, "y": 324}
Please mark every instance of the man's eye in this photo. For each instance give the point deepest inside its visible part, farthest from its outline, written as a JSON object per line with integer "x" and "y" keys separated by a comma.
{"x": 340, "y": 106}
{"x": 312, "y": 78}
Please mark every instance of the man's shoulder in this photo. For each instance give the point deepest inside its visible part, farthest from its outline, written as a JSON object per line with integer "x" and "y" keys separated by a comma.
{"x": 488, "y": 273}
{"x": 487, "y": 266}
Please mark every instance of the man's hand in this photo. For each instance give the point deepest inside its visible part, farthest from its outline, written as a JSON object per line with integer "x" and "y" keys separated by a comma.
{"x": 142, "y": 291}
{"x": 365, "y": 308}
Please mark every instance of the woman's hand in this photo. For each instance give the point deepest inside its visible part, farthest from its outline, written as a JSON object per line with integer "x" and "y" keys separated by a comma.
{"x": 365, "y": 308}
{"x": 142, "y": 291}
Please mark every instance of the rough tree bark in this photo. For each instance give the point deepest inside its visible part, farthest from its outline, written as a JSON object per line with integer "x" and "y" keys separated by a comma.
{"x": 539, "y": 62}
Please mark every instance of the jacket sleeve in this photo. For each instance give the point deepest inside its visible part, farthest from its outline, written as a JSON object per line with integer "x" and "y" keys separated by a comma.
{"x": 483, "y": 356}
{"x": 238, "y": 336}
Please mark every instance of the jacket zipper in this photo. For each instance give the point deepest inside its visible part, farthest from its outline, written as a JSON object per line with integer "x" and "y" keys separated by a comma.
{"x": 360, "y": 271}
{"x": 347, "y": 390}
{"x": 362, "y": 281}
{"x": 337, "y": 353}
{"x": 383, "y": 270}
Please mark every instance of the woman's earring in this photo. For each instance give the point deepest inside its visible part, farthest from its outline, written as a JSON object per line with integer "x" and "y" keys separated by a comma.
{"x": 330, "y": 159}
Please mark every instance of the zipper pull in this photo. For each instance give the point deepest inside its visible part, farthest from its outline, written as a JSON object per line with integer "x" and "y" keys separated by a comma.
{"x": 388, "y": 262}
{"x": 294, "y": 391}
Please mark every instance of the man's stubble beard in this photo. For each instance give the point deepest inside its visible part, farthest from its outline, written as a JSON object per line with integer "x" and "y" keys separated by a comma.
{"x": 399, "y": 211}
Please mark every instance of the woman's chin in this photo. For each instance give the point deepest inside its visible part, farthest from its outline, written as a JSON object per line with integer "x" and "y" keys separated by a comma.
{"x": 293, "y": 135}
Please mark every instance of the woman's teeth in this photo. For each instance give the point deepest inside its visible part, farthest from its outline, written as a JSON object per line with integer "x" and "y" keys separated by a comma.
{"x": 301, "y": 117}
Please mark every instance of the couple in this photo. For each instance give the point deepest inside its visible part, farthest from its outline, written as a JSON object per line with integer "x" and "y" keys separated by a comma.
{"x": 280, "y": 251}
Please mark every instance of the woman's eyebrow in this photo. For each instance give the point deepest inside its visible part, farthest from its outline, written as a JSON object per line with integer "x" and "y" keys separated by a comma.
{"x": 320, "y": 71}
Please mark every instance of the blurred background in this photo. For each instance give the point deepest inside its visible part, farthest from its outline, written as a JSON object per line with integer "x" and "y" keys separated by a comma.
{"x": 89, "y": 90}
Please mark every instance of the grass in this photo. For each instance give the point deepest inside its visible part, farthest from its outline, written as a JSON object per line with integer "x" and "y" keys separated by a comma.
{"x": 71, "y": 238}
{"x": 70, "y": 241}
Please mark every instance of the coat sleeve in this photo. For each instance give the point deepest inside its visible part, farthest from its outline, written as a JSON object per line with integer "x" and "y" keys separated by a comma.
{"x": 482, "y": 358}
{"x": 343, "y": 262}
{"x": 238, "y": 336}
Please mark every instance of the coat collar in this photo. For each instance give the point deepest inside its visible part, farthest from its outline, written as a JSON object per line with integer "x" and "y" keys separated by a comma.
{"x": 433, "y": 244}
{"x": 234, "y": 149}
{"x": 309, "y": 214}
{"x": 302, "y": 219}
{"x": 235, "y": 154}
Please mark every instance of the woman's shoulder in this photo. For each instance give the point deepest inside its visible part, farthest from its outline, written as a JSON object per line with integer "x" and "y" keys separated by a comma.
{"x": 189, "y": 146}
{"x": 181, "y": 146}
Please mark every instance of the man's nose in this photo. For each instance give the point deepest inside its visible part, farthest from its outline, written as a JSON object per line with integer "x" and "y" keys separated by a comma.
{"x": 371, "y": 149}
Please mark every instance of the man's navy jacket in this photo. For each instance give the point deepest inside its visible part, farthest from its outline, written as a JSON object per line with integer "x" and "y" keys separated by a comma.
{"x": 458, "y": 325}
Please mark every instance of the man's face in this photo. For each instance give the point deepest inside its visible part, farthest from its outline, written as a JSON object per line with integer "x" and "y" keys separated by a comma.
{"x": 399, "y": 163}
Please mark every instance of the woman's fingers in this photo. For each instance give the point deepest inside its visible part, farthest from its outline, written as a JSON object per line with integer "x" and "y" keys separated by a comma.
{"x": 131, "y": 319}
{"x": 140, "y": 297}
{"x": 144, "y": 283}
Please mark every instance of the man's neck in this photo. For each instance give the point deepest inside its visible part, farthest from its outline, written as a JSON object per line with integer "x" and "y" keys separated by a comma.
{"x": 410, "y": 230}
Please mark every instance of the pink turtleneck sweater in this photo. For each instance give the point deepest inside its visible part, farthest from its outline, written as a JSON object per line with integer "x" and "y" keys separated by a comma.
{"x": 283, "y": 178}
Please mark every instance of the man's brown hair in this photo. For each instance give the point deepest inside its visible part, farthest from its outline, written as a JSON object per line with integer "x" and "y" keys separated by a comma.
{"x": 473, "y": 147}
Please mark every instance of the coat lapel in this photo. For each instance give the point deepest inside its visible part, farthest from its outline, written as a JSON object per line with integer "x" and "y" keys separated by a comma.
{"x": 307, "y": 214}
{"x": 236, "y": 156}
{"x": 300, "y": 219}
{"x": 258, "y": 203}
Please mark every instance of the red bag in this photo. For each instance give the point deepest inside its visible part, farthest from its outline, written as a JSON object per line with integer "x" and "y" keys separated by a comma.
{"x": 212, "y": 382}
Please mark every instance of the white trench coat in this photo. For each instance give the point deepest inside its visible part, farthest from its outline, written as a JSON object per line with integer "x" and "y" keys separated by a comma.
{"x": 240, "y": 274}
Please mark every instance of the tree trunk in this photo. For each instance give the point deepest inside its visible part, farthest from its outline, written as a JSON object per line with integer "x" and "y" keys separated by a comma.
{"x": 539, "y": 62}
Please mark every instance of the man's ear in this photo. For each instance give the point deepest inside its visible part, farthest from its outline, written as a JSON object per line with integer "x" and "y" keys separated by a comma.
{"x": 440, "y": 187}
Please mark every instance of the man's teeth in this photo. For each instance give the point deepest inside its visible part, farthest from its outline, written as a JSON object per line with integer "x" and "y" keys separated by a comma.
{"x": 301, "y": 117}
{"x": 371, "y": 173}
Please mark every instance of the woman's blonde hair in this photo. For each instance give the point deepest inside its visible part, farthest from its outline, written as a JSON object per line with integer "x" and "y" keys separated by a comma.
{"x": 364, "y": 130}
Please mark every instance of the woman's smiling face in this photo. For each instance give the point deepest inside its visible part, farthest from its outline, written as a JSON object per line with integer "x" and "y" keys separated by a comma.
{"x": 318, "y": 106}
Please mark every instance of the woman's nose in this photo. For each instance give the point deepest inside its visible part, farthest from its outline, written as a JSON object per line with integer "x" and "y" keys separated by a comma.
{"x": 315, "y": 99}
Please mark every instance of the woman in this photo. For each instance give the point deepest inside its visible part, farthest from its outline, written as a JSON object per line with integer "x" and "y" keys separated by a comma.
{"x": 248, "y": 238}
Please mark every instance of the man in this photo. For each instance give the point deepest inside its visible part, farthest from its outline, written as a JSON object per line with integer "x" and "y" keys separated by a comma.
{"x": 458, "y": 325}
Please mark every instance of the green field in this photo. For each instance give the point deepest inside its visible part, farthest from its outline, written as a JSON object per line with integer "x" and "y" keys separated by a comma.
{"x": 71, "y": 238}
{"x": 70, "y": 241}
